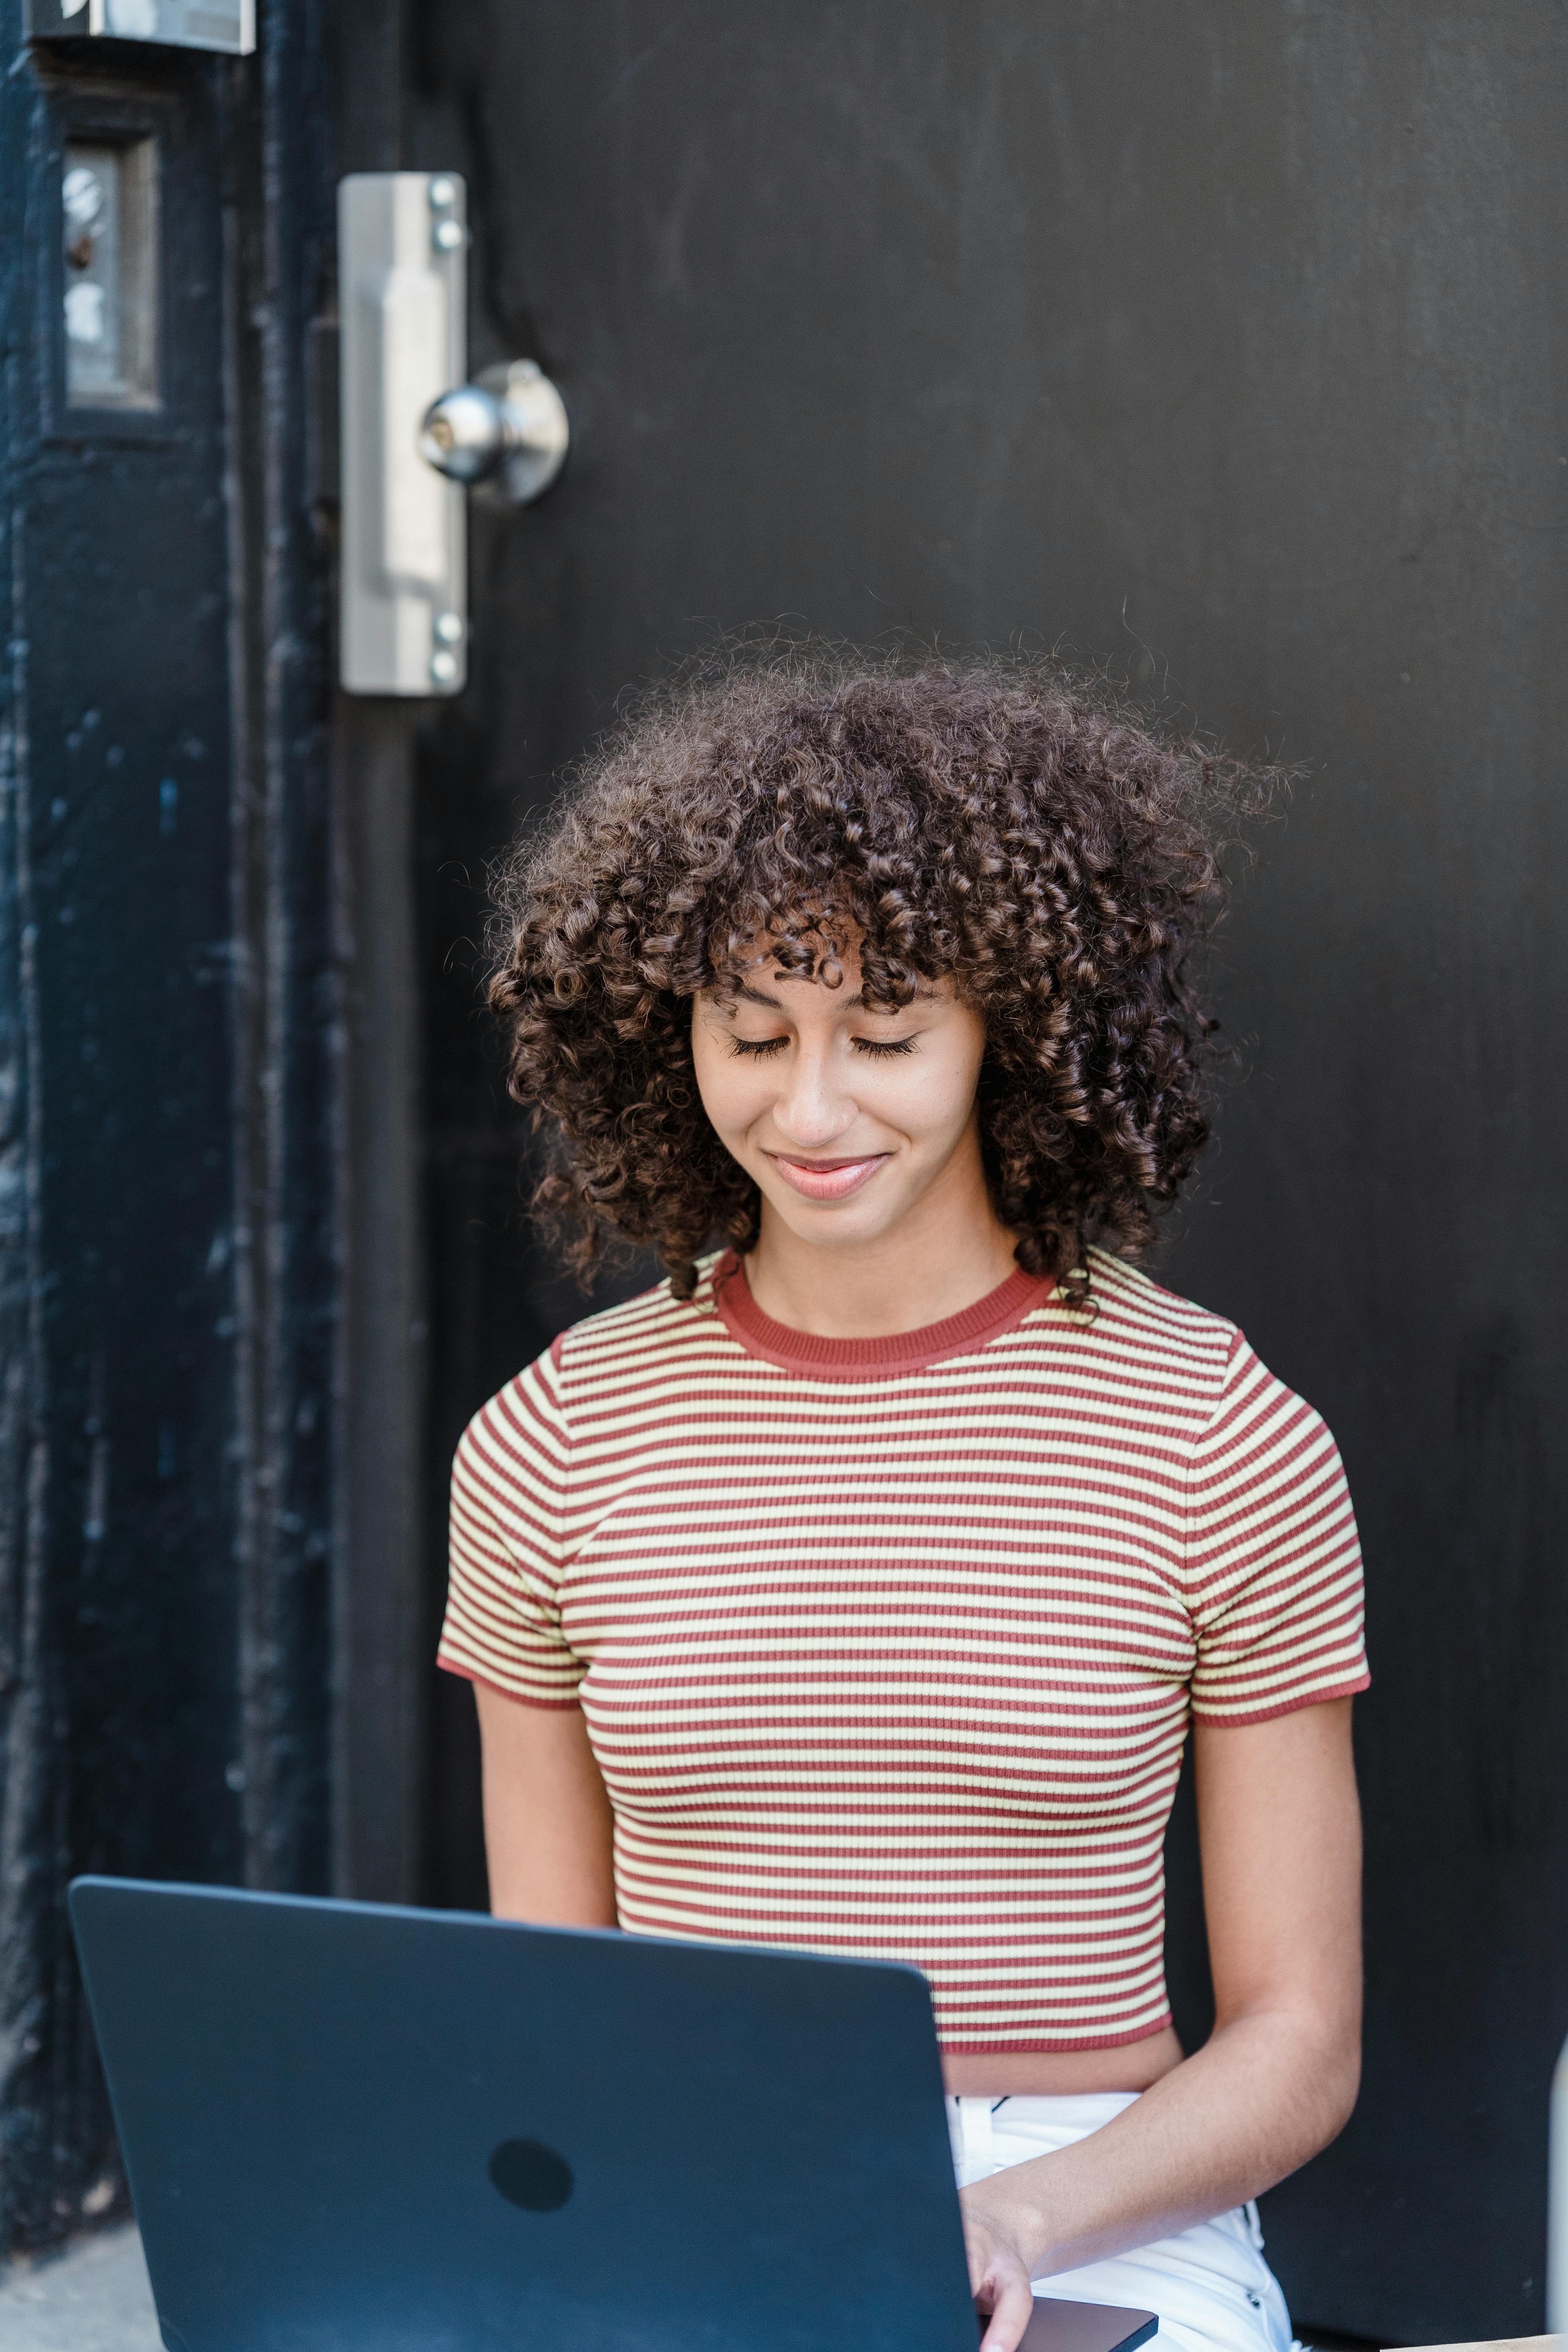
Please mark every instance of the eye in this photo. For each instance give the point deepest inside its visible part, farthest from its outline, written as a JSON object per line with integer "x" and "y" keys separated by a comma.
{"x": 884, "y": 1046}
{"x": 757, "y": 1045}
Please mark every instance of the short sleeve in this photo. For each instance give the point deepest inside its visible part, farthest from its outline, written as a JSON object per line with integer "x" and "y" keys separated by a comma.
{"x": 502, "y": 1624}
{"x": 1273, "y": 1563}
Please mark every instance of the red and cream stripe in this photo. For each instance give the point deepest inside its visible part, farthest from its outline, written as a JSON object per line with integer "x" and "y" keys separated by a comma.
{"x": 888, "y": 1648}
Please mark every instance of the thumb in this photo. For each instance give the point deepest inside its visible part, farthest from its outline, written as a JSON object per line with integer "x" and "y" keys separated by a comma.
{"x": 1005, "y": 2291}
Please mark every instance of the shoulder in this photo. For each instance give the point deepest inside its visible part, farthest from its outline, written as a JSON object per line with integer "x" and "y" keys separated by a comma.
{"x": 1211, "y": 1356}
{"x": 601, "y": 1349}
{"x": 1234, "y": 1407}
{"x": 1138, "y": 1324}
{"x": 513, "y": 1440}
{"x": 1253, "y": 1433}
{"x": 644, "y": 1337}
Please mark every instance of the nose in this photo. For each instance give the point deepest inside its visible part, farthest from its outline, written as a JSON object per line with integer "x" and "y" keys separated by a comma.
{"x": 812, "y": 1110}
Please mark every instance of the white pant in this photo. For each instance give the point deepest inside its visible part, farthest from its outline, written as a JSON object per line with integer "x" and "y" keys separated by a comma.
{"x": 1211, "y": 2286}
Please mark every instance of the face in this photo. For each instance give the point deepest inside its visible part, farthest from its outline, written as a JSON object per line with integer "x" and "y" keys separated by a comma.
{"x": 845, "y": 1115}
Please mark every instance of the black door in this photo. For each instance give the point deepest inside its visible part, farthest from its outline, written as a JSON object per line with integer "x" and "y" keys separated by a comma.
{"x": 1219, "y": 346}
{"x": 169, "y": 1251}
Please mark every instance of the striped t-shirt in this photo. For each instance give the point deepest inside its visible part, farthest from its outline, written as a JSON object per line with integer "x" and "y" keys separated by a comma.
{"x": 887, "y": 1647}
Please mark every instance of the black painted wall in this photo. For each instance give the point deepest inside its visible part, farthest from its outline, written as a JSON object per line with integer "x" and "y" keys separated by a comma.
{"x": 1227, "y": 346}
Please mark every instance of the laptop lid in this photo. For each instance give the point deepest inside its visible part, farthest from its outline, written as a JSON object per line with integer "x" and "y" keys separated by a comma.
{"x": 350, "y": 2126}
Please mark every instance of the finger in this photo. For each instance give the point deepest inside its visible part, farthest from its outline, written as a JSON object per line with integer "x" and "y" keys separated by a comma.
{"x": 1012, "y": 2308}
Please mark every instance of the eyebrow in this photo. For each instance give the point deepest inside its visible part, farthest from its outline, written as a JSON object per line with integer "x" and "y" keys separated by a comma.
{"x": 759, "y": 996}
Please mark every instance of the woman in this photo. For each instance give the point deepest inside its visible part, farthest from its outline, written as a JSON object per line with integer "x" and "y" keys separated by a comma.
{"x": 856, "y": 1587}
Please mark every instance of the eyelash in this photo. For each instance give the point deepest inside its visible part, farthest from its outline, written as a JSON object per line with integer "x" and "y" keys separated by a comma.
{"x": 879, "y": 1048}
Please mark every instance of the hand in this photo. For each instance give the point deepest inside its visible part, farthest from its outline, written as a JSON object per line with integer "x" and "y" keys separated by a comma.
{"x": 998, "y": 2266}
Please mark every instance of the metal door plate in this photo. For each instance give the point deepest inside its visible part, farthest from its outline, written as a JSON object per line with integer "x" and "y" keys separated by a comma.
{"x": 402, "y": 256}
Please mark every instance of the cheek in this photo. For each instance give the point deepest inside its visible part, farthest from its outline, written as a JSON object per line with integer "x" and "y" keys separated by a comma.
{"x": 941, "y": 1096}
{"x": 727, "y": 1083}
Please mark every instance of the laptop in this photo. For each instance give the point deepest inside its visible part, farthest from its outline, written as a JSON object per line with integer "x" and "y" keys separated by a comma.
{"x": 352, "y": 2128}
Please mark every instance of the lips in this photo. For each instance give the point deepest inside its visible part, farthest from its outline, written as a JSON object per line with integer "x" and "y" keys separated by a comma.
{"x": 826, "y": 1179}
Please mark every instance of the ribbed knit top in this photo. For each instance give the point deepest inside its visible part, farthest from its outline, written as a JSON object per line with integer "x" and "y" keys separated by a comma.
{"x": 888, "y": 1647}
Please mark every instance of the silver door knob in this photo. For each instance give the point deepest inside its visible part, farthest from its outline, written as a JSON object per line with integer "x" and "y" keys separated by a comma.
{"x": 510, "y": 428}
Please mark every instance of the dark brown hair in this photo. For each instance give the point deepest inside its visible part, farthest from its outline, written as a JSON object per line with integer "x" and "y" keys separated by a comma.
{"x": 996, "y": 822}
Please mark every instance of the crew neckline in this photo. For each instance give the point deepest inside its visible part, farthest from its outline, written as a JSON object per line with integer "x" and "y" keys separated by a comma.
{"x": 1000, "y": 1310}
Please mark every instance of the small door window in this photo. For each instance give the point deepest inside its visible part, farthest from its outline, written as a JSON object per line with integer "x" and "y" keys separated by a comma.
{"x": 109, "y": 200}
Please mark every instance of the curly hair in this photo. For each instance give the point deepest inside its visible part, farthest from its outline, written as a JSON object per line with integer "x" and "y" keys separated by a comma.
{"x": 997, "y": 822}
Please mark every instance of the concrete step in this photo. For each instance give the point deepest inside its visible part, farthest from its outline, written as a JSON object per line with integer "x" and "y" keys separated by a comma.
{"x": 94, "y": 2297}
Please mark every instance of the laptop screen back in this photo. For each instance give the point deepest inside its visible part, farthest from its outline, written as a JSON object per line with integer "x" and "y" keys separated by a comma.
{"x": 350, "y": 2126}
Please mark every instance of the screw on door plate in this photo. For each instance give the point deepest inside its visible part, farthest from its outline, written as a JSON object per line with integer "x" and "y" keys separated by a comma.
{"x": 447, "y": 231}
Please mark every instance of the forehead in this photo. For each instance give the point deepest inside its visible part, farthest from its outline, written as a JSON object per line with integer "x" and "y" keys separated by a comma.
{"x": 836, "y": 984}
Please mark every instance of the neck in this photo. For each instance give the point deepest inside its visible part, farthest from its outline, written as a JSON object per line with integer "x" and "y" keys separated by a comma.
{"x": 947, "y": 1251}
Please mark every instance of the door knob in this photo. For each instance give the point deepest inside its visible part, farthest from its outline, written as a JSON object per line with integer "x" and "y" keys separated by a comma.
{"x": 510, "y": 428}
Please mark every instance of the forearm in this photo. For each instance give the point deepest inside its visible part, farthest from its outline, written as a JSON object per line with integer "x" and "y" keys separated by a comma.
{"x": 1265, "y": 2093}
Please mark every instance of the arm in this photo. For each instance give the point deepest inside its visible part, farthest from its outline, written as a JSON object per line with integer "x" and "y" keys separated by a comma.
{"x": 548, "y": 1824}
{"x": 1280, "y": 1832}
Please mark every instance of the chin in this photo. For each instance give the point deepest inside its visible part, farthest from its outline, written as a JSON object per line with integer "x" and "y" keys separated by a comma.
{"x": 832, "y": 1224}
